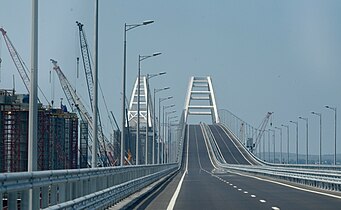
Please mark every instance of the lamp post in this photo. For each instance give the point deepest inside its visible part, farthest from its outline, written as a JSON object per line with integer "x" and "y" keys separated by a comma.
{"x": 154, "y": 120}
{"x": 306, "y": 124}
{"x": 166, "y": 139}
{"x": 141, "y": 58}
{"x": 296, "y": 123}
{"x": 172, "y": 146}
{"x": 320, "y": 148}
{"x": 335, "y": 115}
{"x": 274, "y": 142}
{"x": 287, "y": 127}
{"x": 148, "y": 77}
{"x": 159, "y": 127}
{"x": 269, "y": 140}
{"x": 280, "y": 142}
{"x": 164, "y": 131}
{"x": 127, "y": 27}
{"x": 169, "y": 137}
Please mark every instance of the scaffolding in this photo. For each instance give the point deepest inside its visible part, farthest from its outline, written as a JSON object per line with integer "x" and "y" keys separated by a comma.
{"x": 57, "y": 136}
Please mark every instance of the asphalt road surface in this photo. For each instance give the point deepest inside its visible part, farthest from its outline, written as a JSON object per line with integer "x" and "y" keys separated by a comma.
{"x": 205, "y": 187}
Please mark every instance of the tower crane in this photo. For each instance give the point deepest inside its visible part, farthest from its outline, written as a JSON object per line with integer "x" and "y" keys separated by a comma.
{"x": 19, "y": 64}
{"x": 88, "y": 75}
{"x": 73, "y": 99}
{"x": 261, "y": 129}
{"x": 86, "y": 61}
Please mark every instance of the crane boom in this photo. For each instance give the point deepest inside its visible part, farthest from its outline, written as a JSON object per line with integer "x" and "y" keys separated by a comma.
{"x": 19, "y": 64}
{"x": 262, "y": 127}
{"x": 73, "y": 99}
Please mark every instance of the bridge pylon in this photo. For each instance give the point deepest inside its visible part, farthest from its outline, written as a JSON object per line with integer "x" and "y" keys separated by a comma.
{"x": 200, "y": 98}
{"x": 145, "y": 97}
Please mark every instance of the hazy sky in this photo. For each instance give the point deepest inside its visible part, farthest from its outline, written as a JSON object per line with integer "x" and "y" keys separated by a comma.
{"x": 280, "y": 56}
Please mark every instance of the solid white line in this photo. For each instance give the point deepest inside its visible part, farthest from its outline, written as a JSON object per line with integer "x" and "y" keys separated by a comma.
{"x": 177, "y": 191}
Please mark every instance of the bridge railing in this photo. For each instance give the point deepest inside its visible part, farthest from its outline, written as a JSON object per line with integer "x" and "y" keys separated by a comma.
{"x": 89, "y": 188}
{"x": 239, "y": 130}
{"x": 324, "y": 179}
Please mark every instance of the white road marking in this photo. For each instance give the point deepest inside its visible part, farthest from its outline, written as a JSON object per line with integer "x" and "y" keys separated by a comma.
{"x": 288, "y": 185}
{"x": 234, "y": 186}
{"x": 275, "y": 208}
{"x": 262, "y": 201}
{"x": 245, "y": 192}
{"x": 231, "y": 184}
{"x": 253, "y": 196}
{"x": 177, "y": 191}
{"x": 239, "y": 189}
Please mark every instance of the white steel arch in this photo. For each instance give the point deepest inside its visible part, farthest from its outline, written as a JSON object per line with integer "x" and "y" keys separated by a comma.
{"x": 200, "y": 98}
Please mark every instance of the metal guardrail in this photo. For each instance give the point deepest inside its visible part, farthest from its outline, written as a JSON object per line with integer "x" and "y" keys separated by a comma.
{"x": 91, "y": 188}
{"x": 321, "y": 178}
{"x": 306, "y": 166}
{"x": 60, "y": 188}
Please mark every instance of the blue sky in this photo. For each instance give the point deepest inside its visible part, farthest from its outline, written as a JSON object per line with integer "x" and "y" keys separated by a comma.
{"x": 280, "y": 56}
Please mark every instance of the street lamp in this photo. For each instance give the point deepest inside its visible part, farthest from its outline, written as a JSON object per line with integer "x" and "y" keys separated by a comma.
{"x": 154, "y": 133}
{"x": 159, "y": 127}
{"x": 171, "y": 149}
{"x": 148, "y": 77}
{"x": 141, "y": 58}
{"x": 127, "y": 27}
{"x": 296, "y": 123}
{"x": 280, "y": 146}
{"x": 287, "y": 127}
{"x": 335, "y": 114}
{"x": 320, "y": 152}
{"x": 274, "y": 141}
{"x": 269, "y": 140}
{"x": 169, "y": 136}
{"x": 163, "y": 129}
{"x": 166, "y": 138}
{"x": 306, "y": 121}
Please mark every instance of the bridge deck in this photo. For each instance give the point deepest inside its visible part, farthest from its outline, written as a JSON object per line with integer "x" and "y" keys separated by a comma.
{"x": 205, "y": 188}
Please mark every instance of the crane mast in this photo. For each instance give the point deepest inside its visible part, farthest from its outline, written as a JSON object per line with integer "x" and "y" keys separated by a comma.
{"x": 86, "y": 61}
{"x": 88, "y": 74}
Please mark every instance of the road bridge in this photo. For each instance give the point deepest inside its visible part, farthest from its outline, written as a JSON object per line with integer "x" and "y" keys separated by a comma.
{"x": 206, "y": 187}
{"x": 213, "y": 169}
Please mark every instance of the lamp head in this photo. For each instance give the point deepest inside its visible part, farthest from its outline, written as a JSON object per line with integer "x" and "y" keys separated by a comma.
{"x": 146, "y": 22}
{"x": 156, "y": 54}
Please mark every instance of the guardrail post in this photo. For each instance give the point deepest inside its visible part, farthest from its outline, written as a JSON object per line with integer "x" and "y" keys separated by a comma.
{"x": 12, "y": 200}
{"x": 53, "y": 195}
{"x": 93, "y": 186}
{"x": 85, "y": 187}
{"x": 45, "y": 196}
{"x": 61, "y": 193}
{"x": 24, "y": 199}
{"x": 68, "y": 191}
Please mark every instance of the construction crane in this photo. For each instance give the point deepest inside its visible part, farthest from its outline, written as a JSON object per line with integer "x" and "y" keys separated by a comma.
{"x": 86, "y": 61}
{"x": 19, "y": 64}
{"x": 88, "y": 73}
{"x": 261, "y": 130}
{"x": 74, "y": 100}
